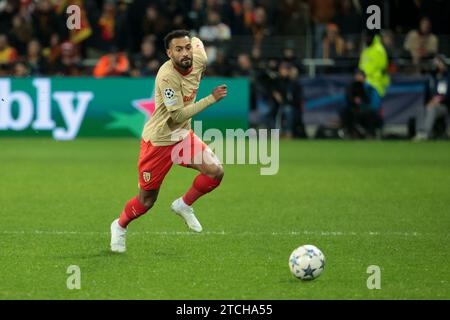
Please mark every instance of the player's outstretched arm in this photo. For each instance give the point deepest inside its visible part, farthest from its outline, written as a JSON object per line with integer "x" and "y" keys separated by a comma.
{"x": 183, "y": 114}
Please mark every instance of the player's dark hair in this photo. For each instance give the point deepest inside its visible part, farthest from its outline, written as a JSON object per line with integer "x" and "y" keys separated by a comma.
{"x": 174, "y": 35}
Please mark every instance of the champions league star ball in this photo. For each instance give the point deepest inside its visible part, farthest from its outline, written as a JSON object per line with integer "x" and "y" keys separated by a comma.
{"x": 307, "y": 262}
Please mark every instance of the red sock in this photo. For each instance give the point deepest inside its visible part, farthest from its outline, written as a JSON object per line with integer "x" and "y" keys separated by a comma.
{"x": 133, "y": 210}
{"x": 201, "y": 186}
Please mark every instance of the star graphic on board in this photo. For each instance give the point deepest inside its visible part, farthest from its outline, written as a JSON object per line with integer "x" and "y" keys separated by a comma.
{"x": 146, "y": 106}
{"x": 128, "y": 121}
{"x": 134, "y": 122}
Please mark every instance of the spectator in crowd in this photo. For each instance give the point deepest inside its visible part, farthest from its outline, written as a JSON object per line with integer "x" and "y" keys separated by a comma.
{"x": 69, "y": 63}
{"x": 215, "y": 29}
{"x": 438, "y": 11}
{"x": 220, "y": 66}
{"x": 350, "y": 49}
{"x": 350, "y": 23}
{"x": 393, "y": 52}
{"x": 122, "y": 25}
{"x": 293, "y": 23}
{"x": 244, "y": 66}
{"x": 438, "y": 100}
{"x": 405, "y": 14}
{"x": 260, "y": 28}
{"x": 20, "y": 34}
{"x": 8, "y": 54}
{"x": 7, "y": 12}
{"x": 36, "y": 61}
{"x": 265, "y": 74}
{"x": 178, "y": 11}
{"x": 421, "y": 44}
{"x": 238, "y": 23}
{"x": 293, "y": 18}
{"x": 248, "y": 8}
{"x": 333, "y": 43}
{"x": 197, "y": 14}
{"x": 349, "y": 20}
{"x": 20, "y": 70}
{"x": 5, "y": 70}
{"x": 107, "y": 24}
{"x": 299, "y": 104}
{"x": 322, "y": 13}
{"x": 53, "y": 52}
{"x": 291, "y": 55}
{"x": 257, "y": 59}
{"x": 114, "y": 63}
{"x": 45, "y": 21}
{"x": 173, "y": 8}
{"x": 287, "y": 95}
{"x": 154, "y": 24}
{"x": 361, "y": 116}
{"x": 147, "y": 62}
{"x": 26, "y": 9}
{"x": 374, "y": 63}
{"x": 179, "y": 22}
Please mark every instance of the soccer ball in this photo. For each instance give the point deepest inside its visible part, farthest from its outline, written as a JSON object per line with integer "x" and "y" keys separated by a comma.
{"x": 307, "y": 262}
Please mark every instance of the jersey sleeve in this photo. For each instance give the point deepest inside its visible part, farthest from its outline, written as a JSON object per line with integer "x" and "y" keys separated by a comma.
{"x": 191, "y": 110}
{"x": 170, "y": 90}
{"x": 199, "y": 51}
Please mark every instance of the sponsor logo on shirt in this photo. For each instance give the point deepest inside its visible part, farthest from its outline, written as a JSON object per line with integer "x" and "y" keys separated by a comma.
{"x": 191, "y": 97}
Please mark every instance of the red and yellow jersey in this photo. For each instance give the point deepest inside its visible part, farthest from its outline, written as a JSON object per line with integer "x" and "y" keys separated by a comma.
{"x": 104, "y": 67}
{"x": 175, "y": 90}
{"x": 8, "y": 55}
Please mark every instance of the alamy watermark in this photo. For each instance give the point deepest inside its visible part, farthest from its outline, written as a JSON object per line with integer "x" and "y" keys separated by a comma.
{"x": 236, "y": 146}
{"x": 374, "y": 280}
{"x": 74, "y": 279}
{"x": 73, "y": 21}
{"x": 374, "y": 20}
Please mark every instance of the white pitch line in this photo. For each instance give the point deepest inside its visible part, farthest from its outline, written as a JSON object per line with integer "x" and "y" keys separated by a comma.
{"x": 224, "y": 233}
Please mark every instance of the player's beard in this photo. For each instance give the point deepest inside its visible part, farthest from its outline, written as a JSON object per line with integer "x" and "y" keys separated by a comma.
{"x": 185, "y": 63}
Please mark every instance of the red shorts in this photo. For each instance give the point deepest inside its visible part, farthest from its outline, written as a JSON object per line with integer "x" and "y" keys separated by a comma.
{"x": 156, "y": 161}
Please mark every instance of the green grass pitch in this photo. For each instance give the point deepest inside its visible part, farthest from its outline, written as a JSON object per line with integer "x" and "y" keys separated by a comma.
{"x": 361, "y": 203}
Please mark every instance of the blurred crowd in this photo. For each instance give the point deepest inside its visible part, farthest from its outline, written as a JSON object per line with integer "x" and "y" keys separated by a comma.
{"x": 264, "y": 40}
{"x": 124, "y": 37}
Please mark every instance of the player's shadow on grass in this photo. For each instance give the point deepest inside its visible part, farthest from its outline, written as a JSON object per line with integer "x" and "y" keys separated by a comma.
{"x": 103, "y": 253}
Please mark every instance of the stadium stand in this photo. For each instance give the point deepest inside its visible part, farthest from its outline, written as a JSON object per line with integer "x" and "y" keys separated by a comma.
{"x": 251, "y": 38}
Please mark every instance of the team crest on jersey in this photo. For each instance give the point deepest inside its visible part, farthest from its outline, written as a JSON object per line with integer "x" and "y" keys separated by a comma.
{"x": 146, "y": 176}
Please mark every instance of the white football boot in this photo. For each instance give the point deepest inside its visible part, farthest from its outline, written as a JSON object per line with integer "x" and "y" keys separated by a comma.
{"x": 187, "y": 213}
{"x": 118, "y": 235}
